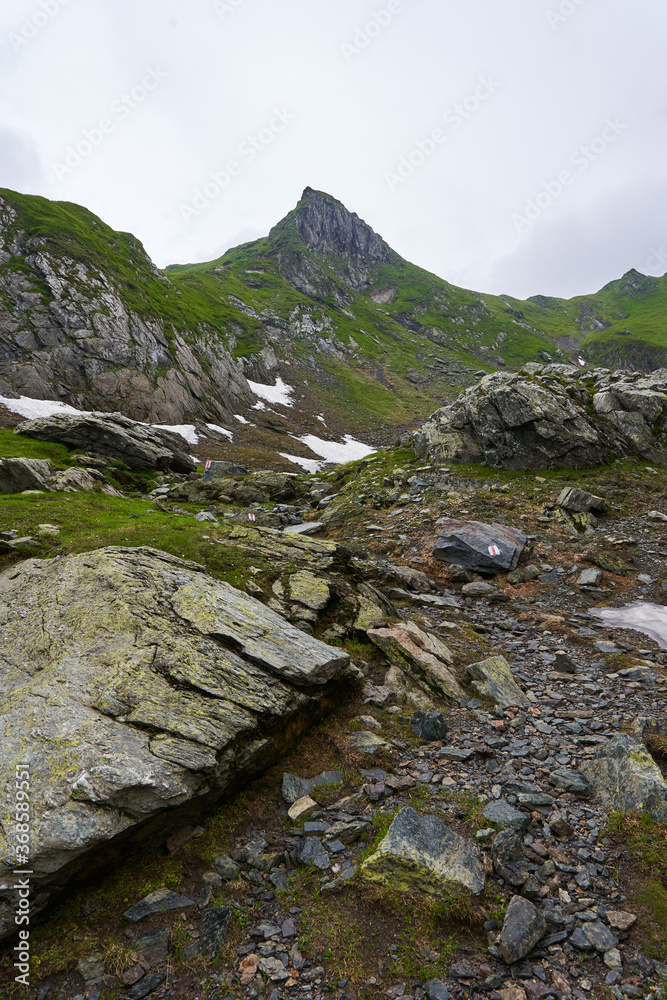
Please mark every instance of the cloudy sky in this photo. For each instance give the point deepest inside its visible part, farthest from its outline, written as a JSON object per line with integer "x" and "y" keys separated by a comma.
{"x": 514, "y": 146}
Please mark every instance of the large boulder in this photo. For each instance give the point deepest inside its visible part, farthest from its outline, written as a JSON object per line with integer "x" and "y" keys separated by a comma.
{"x": 421, "y": 656}
{"x": 136, "y": 690}
{"x": 624, "y": 776}
{"x": 483, "y": 548}
{"x": 493, "y": 679}
{"x": 19, "y": 474}
{"x": 140, "y": 446}
{"x": 551, "y": 416}
{"x": 422, "y": 854}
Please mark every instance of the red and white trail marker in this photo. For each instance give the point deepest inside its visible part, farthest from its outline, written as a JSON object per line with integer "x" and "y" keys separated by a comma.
{"x": 252, "y": 517}
{"x": 494, "y": 551}
{"x": 207, "y": 466}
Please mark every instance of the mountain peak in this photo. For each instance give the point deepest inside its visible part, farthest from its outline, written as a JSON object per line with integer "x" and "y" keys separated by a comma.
{"x": 325, "y": 224}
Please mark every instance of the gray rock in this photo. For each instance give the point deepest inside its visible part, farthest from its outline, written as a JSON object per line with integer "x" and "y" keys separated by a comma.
{"x": 579, "y": 940}
{"x": 601, "y": 938}
{"x": 554, "y": 418}
{"x": 581, "y": 502}
{"x": 429, "y": 726}
{"x": 522, "y": 928}
{"x": 221, "y": 470}
{"x": 570, "y": 781}
{"x": 311, "y": 851}
{"x": 508, "y": 858}
{"x": 145, "y": 986}
{"x": 226, "y": 868}
{"x": 420, "y": 853}
{"x": 435, "y": 989}
{"x": 159, "y": 901}
{"x": 19, "y": 474}
{"x": 138, "y": 445}
{"x": 213, "y": 928}
{"x": 307, "y": 528}
{"x": 91, "y": 968}
{"x": 624, "y": 776}
{"x": 420, "y": 656}
{"x": 492, "y": 678}
{"x": 153, "y": 947}
{"x": 590, "y": 578}
{"x": 483, "y": 548}
{"x": 564, "y": 663}
{"x": 294, "y": 788}
{"x": 502, "y": 814}
{"x": 197, "y": 687}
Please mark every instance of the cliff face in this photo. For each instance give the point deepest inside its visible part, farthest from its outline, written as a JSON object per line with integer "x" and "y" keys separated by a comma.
{"x": 68, "y": 332}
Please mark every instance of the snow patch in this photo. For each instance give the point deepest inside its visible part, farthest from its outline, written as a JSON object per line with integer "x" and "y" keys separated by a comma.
{"x": 651, "y": 619}
{"x": 221, "y": 430}
{"x": 188, "y": 431}
{"x": 309, "y": 464}
{"x": 259, "y": 406}
{"x": 31, "y": 409}
{"x": 241, "y": 420}
{"x": 347, "y": 450}
{"x": 280, "y": 393}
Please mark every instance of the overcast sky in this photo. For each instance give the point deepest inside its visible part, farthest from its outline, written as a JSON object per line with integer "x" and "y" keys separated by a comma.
{"x": 515, "y": 146}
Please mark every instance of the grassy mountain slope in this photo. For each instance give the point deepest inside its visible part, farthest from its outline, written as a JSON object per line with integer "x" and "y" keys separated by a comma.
{"x": 363, "y": 333}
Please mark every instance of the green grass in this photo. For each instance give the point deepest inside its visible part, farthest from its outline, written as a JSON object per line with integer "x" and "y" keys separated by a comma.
{"x": 19, "y": 446}
{"x": 90, "y": 521}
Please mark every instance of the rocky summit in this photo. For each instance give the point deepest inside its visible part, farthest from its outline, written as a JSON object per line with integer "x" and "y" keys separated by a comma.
{"x": 280, "y": 725}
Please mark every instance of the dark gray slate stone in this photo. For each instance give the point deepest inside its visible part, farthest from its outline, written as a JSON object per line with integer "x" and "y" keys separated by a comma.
{"x": 429, "y": 726}
{"x": 435, "y": 989}
{"x": 157, "y": 902}
{"x": 523, "y": 927}
{"x": 473, "y": 545}
{"x": 152, "y": 947}
{"x": 226, "y": 868}
{"x": 221, "y": 470}
{"x": 579, "y": 940}
{"x": 311, "y": 851}
{"x": 213, "y": 928}
{"x": 570, "y": 781}
{"x": 294, "y": 788}
{"x": 502, "y": 814}
{"x": 145, "y": 986}
{"x": 600, "y": 936}
{"x": 508, "y": 857}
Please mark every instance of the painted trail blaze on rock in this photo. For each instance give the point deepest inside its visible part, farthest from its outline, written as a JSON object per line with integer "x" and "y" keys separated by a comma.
{"x": 422, "y": 854}
{"x": 133, "y": 683}
{"x": 483, "y": 548}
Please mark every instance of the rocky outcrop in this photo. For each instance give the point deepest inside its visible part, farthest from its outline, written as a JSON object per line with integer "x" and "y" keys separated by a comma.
{"x": 483, "y": 548}
{"x": 72, "y": 328}
{"x": 553, "y": 416}
{"x": 138, "y": 707}
{"x": 421, "y": 657}
{"x": 116, "y": 436}
{"x": 19, "y": 474}
{"x": 421, "y": 854}
{"x": 623, "y": 776}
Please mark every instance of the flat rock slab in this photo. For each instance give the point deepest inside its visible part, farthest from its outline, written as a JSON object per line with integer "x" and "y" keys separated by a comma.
{"x": 367, "y": 741}
{"x": 307, "y": 528}
{"x": 213, "y": 928}
{"x": 502, "y": 814}
{"x": 492, "y": 678}
{"x": 423, "y": 657}
{"x": 159, "y": 901}
{"x": 523, "y": 927}
{"x": 570, "y": 781}
{"x": 294, "y": 788}
{"x": 19, "y": 474}
{"x": 482, "y": 548}
{"x": 599, "y": 936}
{"x": 624, "y": 776}
{"x": 160, "y": 688}
{"x": 311, "y": 851}
{"x": 146, "y": 986}
{"x": 139, "y": 445}
{"x": 421, "y": 853}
